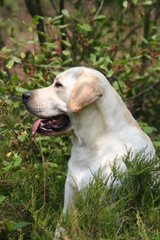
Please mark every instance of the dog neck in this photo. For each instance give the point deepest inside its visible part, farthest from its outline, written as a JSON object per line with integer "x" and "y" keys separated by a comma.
{"x": 95, "y": 123}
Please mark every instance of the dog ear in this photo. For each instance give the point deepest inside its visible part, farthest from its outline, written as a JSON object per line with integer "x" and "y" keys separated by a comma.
{"x": 85, "y": 91}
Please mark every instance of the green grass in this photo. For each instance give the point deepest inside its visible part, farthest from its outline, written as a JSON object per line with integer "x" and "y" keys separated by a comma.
{"x": 30, "y": 206}
{"x": 32, "y": 192}
{"x": 130, "y": 210}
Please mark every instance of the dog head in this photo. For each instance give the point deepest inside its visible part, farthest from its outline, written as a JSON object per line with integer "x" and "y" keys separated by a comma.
{"x": 71, "y": 91}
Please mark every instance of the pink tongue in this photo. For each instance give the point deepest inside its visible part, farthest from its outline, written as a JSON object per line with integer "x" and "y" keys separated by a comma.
{"x": 35, "y": 127}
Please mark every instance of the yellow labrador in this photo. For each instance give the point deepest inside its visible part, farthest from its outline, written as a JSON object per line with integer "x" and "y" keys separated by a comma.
{"x": 82, "y": 100}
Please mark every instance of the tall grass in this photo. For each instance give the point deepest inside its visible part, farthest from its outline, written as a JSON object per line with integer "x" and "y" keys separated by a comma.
{"x": 128, "y": 208}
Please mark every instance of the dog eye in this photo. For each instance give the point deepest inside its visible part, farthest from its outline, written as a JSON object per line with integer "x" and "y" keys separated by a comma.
{"x": 58, "y": 84}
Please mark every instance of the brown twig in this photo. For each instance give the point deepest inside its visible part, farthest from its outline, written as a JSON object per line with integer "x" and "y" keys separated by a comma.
{"x": 132, "y": 31}
{"x": 100, "y": 8}
{"x": 144, "y": 91}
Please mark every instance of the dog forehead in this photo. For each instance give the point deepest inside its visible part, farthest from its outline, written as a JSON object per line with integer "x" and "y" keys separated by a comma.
{"x": 71, "y": 75}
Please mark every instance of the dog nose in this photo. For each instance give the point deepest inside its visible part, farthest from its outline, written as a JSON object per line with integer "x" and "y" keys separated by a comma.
{"x": 26, "y": 95}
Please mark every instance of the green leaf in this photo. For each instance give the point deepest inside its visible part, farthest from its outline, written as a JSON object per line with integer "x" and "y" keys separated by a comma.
{"x": 93, "y": 58}
{"x": 20, "y": 225}
{"x": 125, "y": 4}
{"x": 14, "y": 78}
{"x": 23, "y": 55}
{"x": 30, "y": 28}
{"x": 99, "y": 17}
{"x": 51, "y": 45}
{"x": 135, "y": 2}
{"x": 157, "y": 68}
{"x": 57, "y": 18}
{"x": 6, "y": 50}
{"x": 2, "y": 198}
{"x": 147, "y": 3}
{"x": 12, "y": 226}
{"x": 15, "y": 59}
{"x": 66, "y": 43}
{"x": 145, "y": 40}
{"x": 110, "y": 73}
{"x": 14, "y": 40}
{"x": 146, "y": 128}
{"x": 43, "y": 34}
{"x": 149, "y": 130}
{"x": 6, "y": 163}
{"x": 85, "y": 27}
{"x": 65, "y": 13}
{"x": 63, "y": 26}
{"x": 10, "y": 64}
{"x": 137, "y": 57}
{"x": 17, "y": 161}
{"x": 68, "y": 61}
{"x": 35, "y": 19}
{"x": 8, "y": 168}
{"x": 3, "y": 89}
{"x": 22, "y": 138}
{"x": 119, "y": 84}
{"x": 65, "y": 52}
{"x": 156, "y": 143}
{"x": 21, "y": 90}
{"x": 100, "y": 61}
{"x": 104, "y": 67}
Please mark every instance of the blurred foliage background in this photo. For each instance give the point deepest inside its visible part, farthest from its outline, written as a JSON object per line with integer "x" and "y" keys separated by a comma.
{"x": 38, "y": 40}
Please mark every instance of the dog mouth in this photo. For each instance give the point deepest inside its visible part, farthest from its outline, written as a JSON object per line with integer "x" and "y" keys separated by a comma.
{"x": 52, "y": 125}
